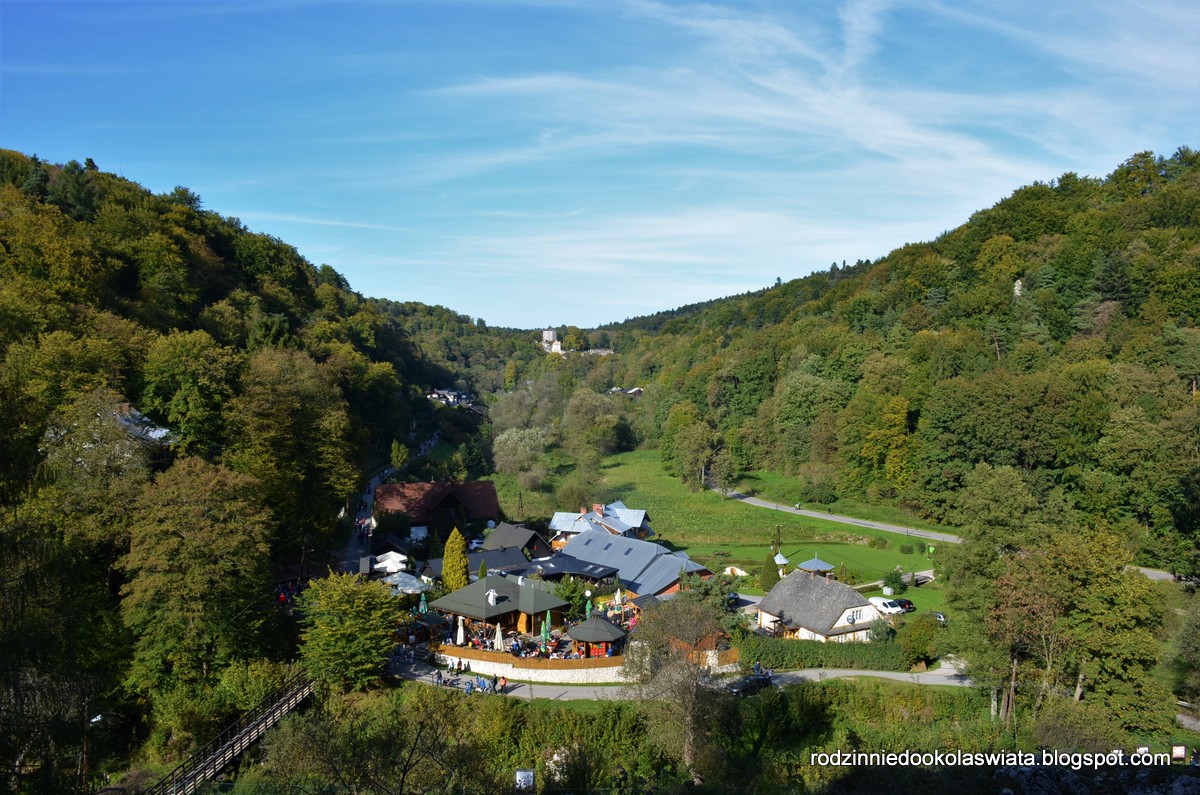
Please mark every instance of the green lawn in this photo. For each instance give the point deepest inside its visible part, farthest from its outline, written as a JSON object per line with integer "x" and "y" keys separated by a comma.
{"x": 927, "y": 598}
{"x": 703, "y": 522}
{"x": 862, "y": 563}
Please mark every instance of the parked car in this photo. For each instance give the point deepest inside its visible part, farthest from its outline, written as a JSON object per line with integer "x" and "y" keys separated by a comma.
{"x": 475, "y": 544}
{"x": 907, "y": 605}
{"x": 749, "y": 685}
{"x": 886, "y": 606}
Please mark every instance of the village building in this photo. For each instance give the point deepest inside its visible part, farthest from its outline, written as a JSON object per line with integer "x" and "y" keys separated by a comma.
{"x": 507, "y": 535}
{"x": 613, "y": 519}
{"x": 497, "y": 561}
{"x": 806, "y": 606}
{"x": 644, "y": 568}
{"x": 562, "y": 565}
{"x": 445, "y": 504}
{"x": 502, "y": 601}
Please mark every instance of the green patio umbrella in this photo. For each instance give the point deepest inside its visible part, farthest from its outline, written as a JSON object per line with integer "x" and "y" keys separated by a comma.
{"x": 424, "y": 605}
{"x": 546, "y": 628}
{"x": 588, "y": 613}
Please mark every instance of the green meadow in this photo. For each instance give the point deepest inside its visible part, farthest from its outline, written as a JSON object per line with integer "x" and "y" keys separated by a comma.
{"x": 721, "y": 532}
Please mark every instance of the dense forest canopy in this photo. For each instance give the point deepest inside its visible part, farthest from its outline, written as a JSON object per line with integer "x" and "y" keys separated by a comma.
{"x": 1031, "y": 377}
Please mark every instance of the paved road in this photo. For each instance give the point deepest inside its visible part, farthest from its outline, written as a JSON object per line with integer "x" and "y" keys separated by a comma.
{"x": 1154, "y": 574}
{"x": 946, "y": 675}
{"x": 929, "y": 535}
{"x": 357, "y": 547}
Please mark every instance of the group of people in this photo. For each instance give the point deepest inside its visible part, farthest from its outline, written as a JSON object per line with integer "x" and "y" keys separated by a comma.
{"x": 768, "y": 672}
{"x": 362, "y": 526}
{"x": 286, "y": 593}
{"x": 487, "y": 687}
{"x": 480, "y": 684}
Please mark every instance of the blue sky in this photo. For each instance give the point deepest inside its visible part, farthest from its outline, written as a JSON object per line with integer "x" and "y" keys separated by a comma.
{"x": 557, "y": 162}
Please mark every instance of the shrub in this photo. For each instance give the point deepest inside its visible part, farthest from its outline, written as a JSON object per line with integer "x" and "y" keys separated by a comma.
{"x": 918, "y": 638}
{"x": 878, "y": 542}
{"x": 779, "y": 653}
{"x": 894, "y": 579}
{"x": 922, "y": 547}
{"x": 882, "y": 631}
{"x": 906, "y": 549}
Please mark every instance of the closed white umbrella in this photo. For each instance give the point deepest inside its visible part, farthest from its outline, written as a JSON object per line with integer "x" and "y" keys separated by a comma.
{"x": 499, "y": 638}
{"x": 462, "y": 635}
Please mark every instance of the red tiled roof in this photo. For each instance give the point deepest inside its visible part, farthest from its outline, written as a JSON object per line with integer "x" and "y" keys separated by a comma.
{"x": 421, "y": 500}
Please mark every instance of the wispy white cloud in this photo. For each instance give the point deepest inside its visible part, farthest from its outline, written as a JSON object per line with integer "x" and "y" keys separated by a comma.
{"x": 288, "y": 218}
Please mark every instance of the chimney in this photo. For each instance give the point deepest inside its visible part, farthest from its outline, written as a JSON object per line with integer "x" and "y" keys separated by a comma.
{"x": 598, "y": 508}
{"x": 826, "y": 576}
{"x": 811, "y": 574}
{"x": 582, "y": 510}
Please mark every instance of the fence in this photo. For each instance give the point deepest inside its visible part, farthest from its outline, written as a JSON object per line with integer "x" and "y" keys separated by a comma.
{"x": 206, "y": 762}
{"x": 530, "y": 663}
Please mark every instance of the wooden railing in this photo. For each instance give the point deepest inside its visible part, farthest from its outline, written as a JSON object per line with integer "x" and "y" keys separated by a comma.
{"x": 531, "y": 663}
{"x": 207, "y": 761}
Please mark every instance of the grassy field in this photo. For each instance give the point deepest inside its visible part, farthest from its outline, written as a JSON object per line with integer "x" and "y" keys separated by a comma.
{"x": 863, "y": 563}
{"x": 704, "y": 523}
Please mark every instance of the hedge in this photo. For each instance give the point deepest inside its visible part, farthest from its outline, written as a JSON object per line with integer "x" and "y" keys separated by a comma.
{"x": 782, "y": 654}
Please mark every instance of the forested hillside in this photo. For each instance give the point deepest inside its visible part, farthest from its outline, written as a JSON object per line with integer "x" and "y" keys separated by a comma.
{"x": 136, "y": 575}
{"x": 1054, "y": 333}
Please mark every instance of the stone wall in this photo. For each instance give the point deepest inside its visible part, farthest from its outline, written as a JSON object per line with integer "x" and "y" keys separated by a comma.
{"x": 596, "y": 671}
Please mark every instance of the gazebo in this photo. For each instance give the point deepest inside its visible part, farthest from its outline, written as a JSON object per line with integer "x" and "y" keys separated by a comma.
{"x": 815, "y": 566}
{"x": 600, "y": 638}
{"x": 501, "y": 600}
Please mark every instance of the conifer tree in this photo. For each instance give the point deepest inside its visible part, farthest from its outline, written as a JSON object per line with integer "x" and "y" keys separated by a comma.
{"x": 769, "y": 576}
{"x": 454, "y": 562}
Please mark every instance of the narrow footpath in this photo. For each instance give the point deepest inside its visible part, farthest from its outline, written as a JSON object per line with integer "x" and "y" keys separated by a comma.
{"x": 929, "y": 535}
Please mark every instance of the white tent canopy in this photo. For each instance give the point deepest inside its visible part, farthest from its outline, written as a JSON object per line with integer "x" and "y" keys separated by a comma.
{"x": 404, "y": 582}
{"x": 391, "y": 562}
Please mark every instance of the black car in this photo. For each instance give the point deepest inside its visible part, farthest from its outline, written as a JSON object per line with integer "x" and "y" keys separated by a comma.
{"x": 907, "y": 605}
{"x": 749, "y": 685}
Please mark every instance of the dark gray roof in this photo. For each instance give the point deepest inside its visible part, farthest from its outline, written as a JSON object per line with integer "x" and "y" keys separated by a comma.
{"x": 472, "y": 601}
{"x": 646, "y": 602}
{"x": 805, "y": 600}
{"x": 496, "y": 559}
{"x": 596, "y": 630}
{"x": 509, "y": 535}
{"x": 561, "y": 565}
{"x": 664, "y": 572}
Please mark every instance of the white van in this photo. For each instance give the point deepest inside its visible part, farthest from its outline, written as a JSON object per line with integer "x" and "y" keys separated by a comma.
{"x": 886, "y": 606}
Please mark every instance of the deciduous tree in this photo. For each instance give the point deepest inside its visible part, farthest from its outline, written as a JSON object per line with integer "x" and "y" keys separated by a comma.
{"x": 198, "y": 588}
{"x": 665, "y": 666}
{"x": 348, "y": 626}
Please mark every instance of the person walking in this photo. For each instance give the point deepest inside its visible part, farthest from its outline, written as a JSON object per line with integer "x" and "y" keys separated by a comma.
{"x": 503, "y": 685}
{"x": 495, "y": 681}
